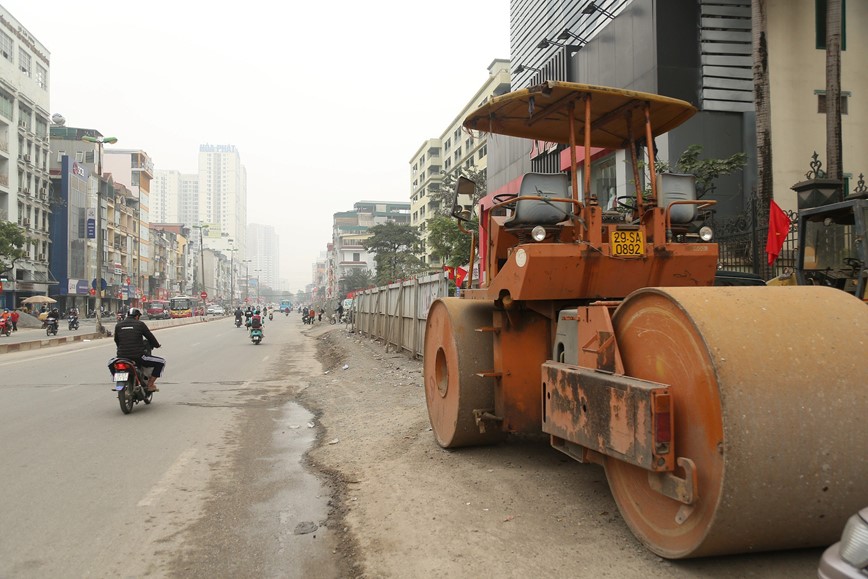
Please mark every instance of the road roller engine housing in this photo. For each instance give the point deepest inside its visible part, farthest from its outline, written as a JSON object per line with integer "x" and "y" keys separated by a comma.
{"x": 723, "y": 416}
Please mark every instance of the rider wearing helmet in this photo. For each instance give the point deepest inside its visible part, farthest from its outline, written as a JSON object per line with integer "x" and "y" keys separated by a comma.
{"x": 256, "y": 320}
{"x": 130, "y": 336}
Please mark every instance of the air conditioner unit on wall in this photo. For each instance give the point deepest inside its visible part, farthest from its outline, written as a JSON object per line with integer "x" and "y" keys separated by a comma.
{"x": 27, "y": 158}
{"x": 22, "y": 124}
{"x": 41, "y": 257}
{"x": 26, "y": 223}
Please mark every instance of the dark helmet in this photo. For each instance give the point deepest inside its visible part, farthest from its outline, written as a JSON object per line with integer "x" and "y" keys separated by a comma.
{"x": 256, "y": 312}
{"x": 134, "y": 313}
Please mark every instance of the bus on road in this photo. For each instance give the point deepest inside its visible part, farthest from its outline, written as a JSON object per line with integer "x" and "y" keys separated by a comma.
{"x": 182, "y": 306}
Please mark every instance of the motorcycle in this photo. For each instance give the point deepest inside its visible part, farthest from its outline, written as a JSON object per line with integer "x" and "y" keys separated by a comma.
{"x": 237, "y": 322}
{"x": 130, "y": 382}
{"x": 73, "y": 323}
{"x": 5, "y": 327}
{"x": 51, "y": 327}
{"x": 286, "y": 312}
{"x": 256, "y": 335}
{"x": 270, "y": 316}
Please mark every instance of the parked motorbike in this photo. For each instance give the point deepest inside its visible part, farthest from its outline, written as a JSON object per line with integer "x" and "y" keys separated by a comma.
{"x": 256, "y": 335}
{"x": 5, "y": 327}
{"x": 73, "y": 323}
{"x": 130, "y": 382}
{"x": 51, "y": 327}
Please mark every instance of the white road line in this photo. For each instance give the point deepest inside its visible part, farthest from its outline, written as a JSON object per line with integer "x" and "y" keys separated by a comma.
{"x": 265, "y": 358}
{"x": 171, "y": 475}
{"x": 64, "y": 388}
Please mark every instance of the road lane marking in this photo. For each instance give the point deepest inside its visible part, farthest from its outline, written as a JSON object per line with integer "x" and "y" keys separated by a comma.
{"x": 171, "y": 475}
{"x": 64, "y": 388}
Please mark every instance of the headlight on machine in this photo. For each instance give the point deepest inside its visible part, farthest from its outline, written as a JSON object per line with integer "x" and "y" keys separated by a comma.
{"x": 538, "y": 233}
{"x": 706, "y": 234}
{"x": 854, "y": 541}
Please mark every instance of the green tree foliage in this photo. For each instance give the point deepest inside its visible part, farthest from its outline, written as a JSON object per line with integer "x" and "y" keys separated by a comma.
{"x": 447, "y": 242}
{"x": 443, "y": 195}
{"x": 706, "y": 170}
{"x": 395, "y": 247}
{"x": 359, "y": 279}
{"x": 13, "y": 244}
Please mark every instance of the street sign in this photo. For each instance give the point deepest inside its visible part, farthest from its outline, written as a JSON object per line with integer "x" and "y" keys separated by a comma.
{"x": 102, "y": 282}
{"x": 204, "y": 295}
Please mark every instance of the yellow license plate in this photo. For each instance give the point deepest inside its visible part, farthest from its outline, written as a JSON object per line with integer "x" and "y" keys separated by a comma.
{"x": 626, "y": 243}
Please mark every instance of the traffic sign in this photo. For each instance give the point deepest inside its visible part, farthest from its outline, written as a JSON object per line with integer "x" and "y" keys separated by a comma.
{"x": 204, "y": 295}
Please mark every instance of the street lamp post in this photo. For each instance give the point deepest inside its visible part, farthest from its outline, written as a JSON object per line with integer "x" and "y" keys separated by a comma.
{"x": 232, "y": 251}
{"x": 97, "y": 304}
{"x": 247, "y": 280}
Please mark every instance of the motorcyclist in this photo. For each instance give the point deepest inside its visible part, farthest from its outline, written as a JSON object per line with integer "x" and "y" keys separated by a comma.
{"x": 255, "y": 322}
{"x": 247, "y": 315}
{"x": 53, "y": 318}
{"x": 238, "y": 315}
{"x": 130, "y": 336}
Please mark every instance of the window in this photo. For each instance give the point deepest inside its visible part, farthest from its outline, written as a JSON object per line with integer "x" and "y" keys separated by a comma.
{"x": 24, "y": 61}
{"x": 6, "y": 46}
{"x": 357, "y": 257}
{"x": 41, "y": 77}
{"x": 821, "y": 102}
{"x": 820, "y": 15}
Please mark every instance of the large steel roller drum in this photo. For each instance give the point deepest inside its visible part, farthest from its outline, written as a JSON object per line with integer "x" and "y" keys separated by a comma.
{"x": 770, "y": 390}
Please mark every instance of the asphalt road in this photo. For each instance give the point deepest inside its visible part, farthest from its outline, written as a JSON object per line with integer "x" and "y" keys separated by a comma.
{"x": 89, "y": 491}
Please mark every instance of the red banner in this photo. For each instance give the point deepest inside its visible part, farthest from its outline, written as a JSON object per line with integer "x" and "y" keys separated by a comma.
{"x": 779, "y": 228}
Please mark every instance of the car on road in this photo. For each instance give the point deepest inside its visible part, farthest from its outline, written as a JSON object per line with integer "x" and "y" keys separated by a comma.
{"x": 215, "y": 310}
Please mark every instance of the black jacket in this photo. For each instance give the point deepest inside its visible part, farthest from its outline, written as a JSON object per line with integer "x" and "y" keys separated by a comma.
{"x": 129, "y": 337}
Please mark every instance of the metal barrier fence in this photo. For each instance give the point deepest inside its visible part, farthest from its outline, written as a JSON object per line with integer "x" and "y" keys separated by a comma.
{"x": 397, "y": 313}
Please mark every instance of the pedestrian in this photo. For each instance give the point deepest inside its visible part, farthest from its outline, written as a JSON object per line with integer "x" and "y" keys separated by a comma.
{"x": 14, "y": 318}
{"x": 321, "y": 312}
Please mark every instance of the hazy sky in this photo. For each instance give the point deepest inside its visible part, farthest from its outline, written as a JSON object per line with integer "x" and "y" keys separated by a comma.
{"x": 325, "y": 101}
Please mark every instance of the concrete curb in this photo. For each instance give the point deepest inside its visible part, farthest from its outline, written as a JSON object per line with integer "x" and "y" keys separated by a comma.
{"x": 60, "y": 340}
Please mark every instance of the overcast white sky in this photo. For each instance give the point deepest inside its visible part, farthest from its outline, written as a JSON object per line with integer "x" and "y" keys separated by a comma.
{"x": 325, "y": 101}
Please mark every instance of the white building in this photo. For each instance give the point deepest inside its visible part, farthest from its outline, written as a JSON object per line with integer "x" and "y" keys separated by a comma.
{"x": 24, "y": 154}
{"x": 223, "y": 194}
{"x": 263, "y": 251}
{"x": 454, "y": 149}
{"x": 174, "y": 197}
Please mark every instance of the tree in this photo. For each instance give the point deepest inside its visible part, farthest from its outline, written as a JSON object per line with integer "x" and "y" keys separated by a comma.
{"x": 395, "y": 247}
{"x": 762, "y": 104}
{"x": 443, "y": 195}
{"x": 706, "y": 171}
{"x": 834, "y": 144}
{"x": 359, "y": 279}
{"x": 13, "y": 244}
{"x": 447, "y": 241}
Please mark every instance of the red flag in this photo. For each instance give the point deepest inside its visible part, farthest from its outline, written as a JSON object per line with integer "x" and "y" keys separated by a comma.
{"x": 449, "y": 270}
{"x": 779, "y": 228}
{"x": 460, "y": 274}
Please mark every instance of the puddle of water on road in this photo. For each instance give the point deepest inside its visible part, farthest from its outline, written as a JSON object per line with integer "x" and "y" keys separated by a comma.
{"x": 300, "y": 509}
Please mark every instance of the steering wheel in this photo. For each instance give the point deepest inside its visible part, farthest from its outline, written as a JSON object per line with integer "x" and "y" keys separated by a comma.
{"x": 503, "y": 197}
{"x": 852, "y": 262}
{"x": 631, "y": 206}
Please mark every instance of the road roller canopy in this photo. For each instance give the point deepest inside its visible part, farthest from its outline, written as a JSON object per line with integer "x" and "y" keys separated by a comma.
{"x": 543, "y": 113}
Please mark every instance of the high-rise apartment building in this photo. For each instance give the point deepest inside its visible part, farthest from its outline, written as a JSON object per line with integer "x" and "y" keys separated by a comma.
{"x": 25, "y": 196}
{"x": 175, "y": 197}
{"x": 263, "y": 251}
{"x": 223, "y": 192}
